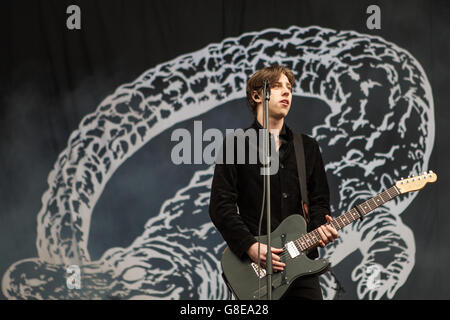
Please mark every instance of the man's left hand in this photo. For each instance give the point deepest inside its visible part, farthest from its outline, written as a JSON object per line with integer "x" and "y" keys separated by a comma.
{"x": 327, "y": 232}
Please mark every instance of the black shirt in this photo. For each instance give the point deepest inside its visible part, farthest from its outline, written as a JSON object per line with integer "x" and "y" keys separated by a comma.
{"x": 237, "y": 191}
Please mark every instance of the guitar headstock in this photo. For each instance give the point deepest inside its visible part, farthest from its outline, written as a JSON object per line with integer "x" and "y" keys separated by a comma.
{"x": 415, "y": 183}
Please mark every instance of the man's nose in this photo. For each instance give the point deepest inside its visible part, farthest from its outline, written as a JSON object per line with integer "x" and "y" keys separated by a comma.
{"x": 286, "y": 92}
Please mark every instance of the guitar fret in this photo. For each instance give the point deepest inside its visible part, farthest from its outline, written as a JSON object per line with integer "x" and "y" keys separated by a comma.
{"x": 379, "y": 201}
{"x": 366, "y": 207}
{"x": 301, "y": 244}
{"x": 348, "y": 217}
{"x": 343, "y": 220}
{"x": 304, "y": 246}
{"x": 385, "y": 196}
{"x": 361, "y": 209}
{"x": 310, "y": 242}
{"x": 354, "y": 215}
{"x": 297, "y": 245}
{"x": 340, "y": 222}
{"x": 305, "y": 237}
{"x": 306, "y": 242}
{"x": 392, "y": 192}
{"x": 311, "y": 239}
{"x": 335, "y": 224}
{"x": 317, "y": 236}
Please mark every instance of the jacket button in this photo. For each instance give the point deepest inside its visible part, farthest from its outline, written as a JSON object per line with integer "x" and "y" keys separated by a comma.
{"x": 281, "y": 166}
{"x": 285, "y": 195}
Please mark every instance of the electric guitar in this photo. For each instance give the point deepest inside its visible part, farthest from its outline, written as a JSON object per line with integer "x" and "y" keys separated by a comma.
{"x": 242, "y": 275}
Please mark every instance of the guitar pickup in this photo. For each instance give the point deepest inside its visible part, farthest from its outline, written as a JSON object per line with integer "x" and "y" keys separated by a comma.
{"x": 292, "y": 249}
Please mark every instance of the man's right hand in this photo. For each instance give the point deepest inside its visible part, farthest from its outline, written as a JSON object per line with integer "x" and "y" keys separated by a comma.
{"x": 276, "y": 260}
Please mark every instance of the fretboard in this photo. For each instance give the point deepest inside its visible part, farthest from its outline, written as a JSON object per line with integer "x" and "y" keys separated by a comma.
{"x": 311, "y": 239}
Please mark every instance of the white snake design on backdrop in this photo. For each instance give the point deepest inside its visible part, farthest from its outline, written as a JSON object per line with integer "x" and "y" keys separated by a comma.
{"x": 367, "y": 148}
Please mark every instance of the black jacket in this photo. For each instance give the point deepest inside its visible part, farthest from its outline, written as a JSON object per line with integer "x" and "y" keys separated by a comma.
{"x": 237, "y": 190}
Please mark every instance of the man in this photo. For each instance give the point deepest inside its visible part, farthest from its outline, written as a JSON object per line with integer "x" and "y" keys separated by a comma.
{"x": 237, "y": 189}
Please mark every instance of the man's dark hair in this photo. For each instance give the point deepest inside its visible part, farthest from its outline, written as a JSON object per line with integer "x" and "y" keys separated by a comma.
{"x": 255, "y": 83}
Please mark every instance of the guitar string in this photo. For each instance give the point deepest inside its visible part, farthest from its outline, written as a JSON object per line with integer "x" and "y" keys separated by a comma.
{"x": 314, "y": 237}
{"x": 302, "y": 245}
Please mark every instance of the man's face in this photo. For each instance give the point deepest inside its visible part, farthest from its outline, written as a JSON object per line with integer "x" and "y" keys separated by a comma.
{"x": 280, "y": 97}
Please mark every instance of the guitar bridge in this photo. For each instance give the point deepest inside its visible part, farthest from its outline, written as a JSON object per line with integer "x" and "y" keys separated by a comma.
{"x": 260, "y": 272}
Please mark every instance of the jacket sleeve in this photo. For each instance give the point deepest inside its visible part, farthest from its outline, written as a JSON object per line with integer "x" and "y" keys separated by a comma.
{"x": 223, "y": 208}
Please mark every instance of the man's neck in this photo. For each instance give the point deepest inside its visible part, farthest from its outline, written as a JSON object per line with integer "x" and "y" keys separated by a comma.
{"x": 275, "y": 125}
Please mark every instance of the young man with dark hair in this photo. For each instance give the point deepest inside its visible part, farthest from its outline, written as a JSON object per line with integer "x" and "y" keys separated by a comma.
{"x": 237, "y": 189}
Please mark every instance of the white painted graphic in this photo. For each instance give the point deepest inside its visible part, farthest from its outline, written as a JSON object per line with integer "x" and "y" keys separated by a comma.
{"x": 367, "y": 146}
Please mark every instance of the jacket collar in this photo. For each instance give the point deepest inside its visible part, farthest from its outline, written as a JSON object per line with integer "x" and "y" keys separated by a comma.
{"x": 285, "y": 133}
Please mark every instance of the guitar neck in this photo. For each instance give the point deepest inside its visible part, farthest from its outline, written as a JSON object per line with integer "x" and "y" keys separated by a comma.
{"x": 311, "y": 239}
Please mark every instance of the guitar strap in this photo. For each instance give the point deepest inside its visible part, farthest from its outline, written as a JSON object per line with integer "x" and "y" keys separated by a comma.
{"x": 301, "y": 170}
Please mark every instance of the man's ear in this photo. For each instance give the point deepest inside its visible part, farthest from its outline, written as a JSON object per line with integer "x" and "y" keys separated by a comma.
{"x": 256, "y": 96}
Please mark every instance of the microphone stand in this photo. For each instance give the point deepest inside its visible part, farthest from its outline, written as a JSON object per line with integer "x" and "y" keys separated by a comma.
{"x": 269, "y": 268}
